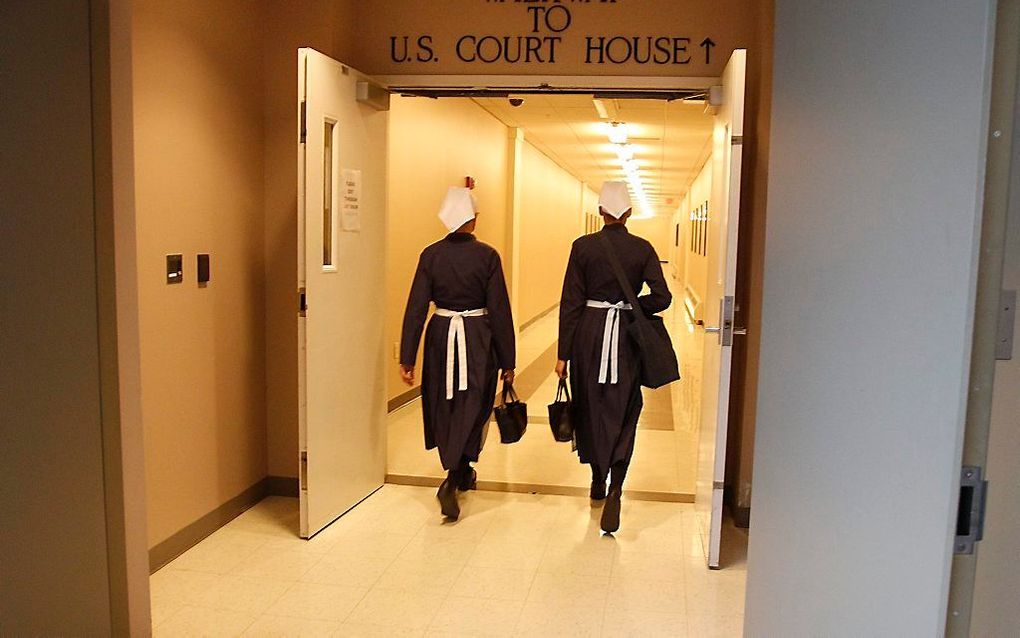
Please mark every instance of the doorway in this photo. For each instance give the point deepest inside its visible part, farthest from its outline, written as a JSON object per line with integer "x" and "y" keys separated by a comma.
{"x": 563, "y": 146}
{"x": 549, "y": 156}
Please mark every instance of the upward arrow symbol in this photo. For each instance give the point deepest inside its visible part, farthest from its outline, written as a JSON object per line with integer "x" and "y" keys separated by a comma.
{"x": 708, "y": 44}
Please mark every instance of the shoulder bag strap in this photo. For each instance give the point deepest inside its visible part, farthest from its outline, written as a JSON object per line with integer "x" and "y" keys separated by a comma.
{"x": 621, "y": 277}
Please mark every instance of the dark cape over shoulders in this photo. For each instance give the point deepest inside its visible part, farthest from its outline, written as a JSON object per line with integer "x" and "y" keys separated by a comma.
{"x": 459, "y": 273}
{"x": 606, "y": 414}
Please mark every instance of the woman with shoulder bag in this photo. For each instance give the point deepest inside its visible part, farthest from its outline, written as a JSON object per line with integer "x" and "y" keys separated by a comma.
{"x": 469, "y": 339}
{"x": 605, "y": 365}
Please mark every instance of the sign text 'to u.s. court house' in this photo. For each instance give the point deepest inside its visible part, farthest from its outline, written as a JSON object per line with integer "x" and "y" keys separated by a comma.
{"x": 554, "y": 37}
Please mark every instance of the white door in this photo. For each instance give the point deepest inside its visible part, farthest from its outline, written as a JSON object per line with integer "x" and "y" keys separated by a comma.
{"x": 341, "y": 250}
{"x": 722, "y": 270}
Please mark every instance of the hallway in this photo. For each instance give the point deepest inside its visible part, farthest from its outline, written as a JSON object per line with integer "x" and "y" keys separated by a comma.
{"x": 666, "y": 452}
{"x": 514, "y": 565}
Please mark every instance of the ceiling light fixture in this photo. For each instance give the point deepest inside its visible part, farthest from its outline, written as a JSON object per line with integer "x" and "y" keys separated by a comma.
{"x": 618, "y": 133}
{"x": 625, "y": 152}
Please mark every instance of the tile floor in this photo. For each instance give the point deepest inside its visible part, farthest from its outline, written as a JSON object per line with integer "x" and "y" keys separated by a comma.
{"x": 666, "y": 453}
{"x": 514, "y": 565}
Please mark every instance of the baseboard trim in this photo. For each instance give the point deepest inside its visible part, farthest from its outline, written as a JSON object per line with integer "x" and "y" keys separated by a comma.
{"x": 282, "y": 486}
{"x": 192, "y": 534}
{"x": 530, "y": 322}
{"x": 401, "y": 400}
{"x": 532, "y": 488}
{"x": 741, "y": 517}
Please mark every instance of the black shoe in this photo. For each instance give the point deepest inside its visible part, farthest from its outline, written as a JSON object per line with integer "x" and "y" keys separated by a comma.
{"x": 611, "y": 512}
{"x": 447, "y": 496}
{"x": 598, "y": 490}
{"x": 468, "y": 480}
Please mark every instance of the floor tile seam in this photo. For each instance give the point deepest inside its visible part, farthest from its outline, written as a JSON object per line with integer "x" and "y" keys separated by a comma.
{"x": 432, "y": 623}
{"x": 350, "y": 611}
{"x": 338, "y": 623}
{"x": 273, "y": 601}
{"x": 682, "y": 609}
{"x": 448, "y": 593}
{"x": 527, "y": 595}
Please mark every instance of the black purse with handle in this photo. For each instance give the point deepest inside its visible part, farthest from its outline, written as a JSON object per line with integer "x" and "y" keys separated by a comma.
{"x": 560, "y": 416}
{"x": 511, "y": 416}
{"x": 659, "y": 366}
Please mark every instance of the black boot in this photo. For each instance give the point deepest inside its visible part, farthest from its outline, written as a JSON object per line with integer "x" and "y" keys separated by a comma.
{"x": 447, "y": 496}
{"x": 598, "y": 484}
{"x": 468, "y": 479}
{"x": 611, "y": 511}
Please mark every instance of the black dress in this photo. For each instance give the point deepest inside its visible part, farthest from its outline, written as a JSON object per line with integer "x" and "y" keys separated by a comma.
{"x": 606, "y": 414}
{"x": 459, "y": 273}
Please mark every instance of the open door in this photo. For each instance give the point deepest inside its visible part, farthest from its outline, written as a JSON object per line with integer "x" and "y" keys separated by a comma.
{"x": 722, "y": 278}
{"x": 341, "y": 251}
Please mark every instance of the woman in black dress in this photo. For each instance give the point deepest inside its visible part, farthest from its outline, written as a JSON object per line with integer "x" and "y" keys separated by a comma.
{"x": 469, "y": 339}
{"x": 604, "y": 365}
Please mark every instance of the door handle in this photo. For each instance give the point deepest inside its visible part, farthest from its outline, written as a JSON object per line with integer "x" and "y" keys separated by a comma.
{"x": 736, "y": 331}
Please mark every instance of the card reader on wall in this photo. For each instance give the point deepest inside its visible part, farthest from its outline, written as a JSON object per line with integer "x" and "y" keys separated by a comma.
{"x": 203, "y": 269}
{"x": 174, "y": 269}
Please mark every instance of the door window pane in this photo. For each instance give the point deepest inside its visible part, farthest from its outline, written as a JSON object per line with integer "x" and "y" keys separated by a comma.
{"x": 327, "y": 193}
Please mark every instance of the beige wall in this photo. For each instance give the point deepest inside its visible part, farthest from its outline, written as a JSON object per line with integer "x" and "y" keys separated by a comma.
{"x": 751, "y": 261}
{"x": 199, "y": 180}
{"x": 551, "y": 218}
{"x": 658, "y": 230}
{"x": 71, "y": 563}
{"x": 327, "y": 26}
{"x": 695, "y": 268}
{"x": 435, "y": 144}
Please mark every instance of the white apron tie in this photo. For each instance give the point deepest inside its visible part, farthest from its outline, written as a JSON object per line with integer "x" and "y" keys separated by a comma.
{"x": 456, "y": 339}
{"x": 609, "y": 368}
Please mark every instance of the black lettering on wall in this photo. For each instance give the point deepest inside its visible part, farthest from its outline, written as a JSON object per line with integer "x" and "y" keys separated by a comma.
{"x": 548, "y": 20}
{"x": 398, "y": 48}
{"x": 425, "y": 52}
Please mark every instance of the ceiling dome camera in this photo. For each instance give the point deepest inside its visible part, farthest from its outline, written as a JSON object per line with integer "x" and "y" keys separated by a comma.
{"x": 516, "y": 101}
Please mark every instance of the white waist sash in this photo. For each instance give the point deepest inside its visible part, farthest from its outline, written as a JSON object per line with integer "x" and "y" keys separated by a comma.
{"x": 609, "y": 367}
{"x": 456, "y": 339}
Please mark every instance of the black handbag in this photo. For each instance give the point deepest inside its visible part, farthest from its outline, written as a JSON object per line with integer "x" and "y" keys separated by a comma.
{"x": 511, "y": 416}
{"x": 659, "y": 366}
{"x": 560, "y": 416}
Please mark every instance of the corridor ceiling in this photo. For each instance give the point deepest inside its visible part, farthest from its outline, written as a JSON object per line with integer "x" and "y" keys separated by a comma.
{"x": 671, "y": 140}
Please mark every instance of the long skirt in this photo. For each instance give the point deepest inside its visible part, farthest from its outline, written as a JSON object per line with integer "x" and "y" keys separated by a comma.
{"x": 605, "y": 414}
{"x": 458, "y": 426}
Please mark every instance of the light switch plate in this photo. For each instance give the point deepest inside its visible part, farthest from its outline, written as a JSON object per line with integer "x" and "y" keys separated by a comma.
{"x": 202, "y": 268}
{"x": 175, "y": 269}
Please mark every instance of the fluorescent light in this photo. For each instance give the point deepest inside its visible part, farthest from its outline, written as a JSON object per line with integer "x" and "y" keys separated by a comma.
{"x": 600, "y": 106}
{"x": 618, "y": 133}
{"x": 625, "y": 152}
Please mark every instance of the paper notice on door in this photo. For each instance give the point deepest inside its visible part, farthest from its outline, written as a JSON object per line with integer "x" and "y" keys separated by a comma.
{"x": 350, "y": 210}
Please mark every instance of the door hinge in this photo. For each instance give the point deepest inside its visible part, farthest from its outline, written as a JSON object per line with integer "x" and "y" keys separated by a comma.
{"x": 1007, "y": 319}
{"x": 304, "y": 121}
{"x": 302, "y": 303}
{"x": 970, "y": 517}
{"x": 304, "y": 470}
